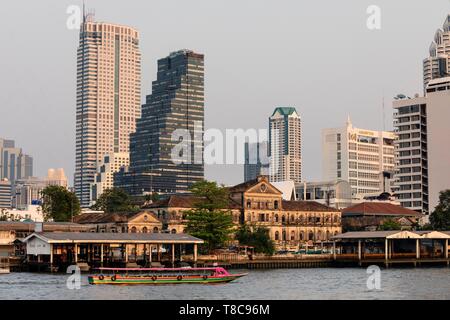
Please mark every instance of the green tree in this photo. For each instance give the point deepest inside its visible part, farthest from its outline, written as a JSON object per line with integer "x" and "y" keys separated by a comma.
{"x": 440, "y": 217}
{"x": 114, "y": 200}
{"x": 209, "y": 219}
{"x": 390, "y": 224}
{"x": 258, "y": 238}
{"x": 59, "y": 204}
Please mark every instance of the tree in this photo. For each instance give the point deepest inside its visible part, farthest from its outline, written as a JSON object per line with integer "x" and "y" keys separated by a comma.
{"x": 440, "y": 217}
{"x": 258, "y": 238}
{"x": 390, "y": 224}
{"x": 114, "y": 200}
{"x": 209, "y": 219}
{"x": 59, "y": 204}
{"x": 4, "y": 215}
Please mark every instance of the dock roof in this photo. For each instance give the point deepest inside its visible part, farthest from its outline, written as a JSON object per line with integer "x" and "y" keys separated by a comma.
{"x": 91, "y": 237}
{"x": 393, "y": 234}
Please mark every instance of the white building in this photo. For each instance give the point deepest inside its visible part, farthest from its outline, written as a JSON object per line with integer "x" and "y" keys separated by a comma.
{"x": 285, "y": 145}
{"x": 29, "y": 212}
{"x": 364, "y": 158}
{"x": 57, "y": 177}
{"x": 104, "y": 179}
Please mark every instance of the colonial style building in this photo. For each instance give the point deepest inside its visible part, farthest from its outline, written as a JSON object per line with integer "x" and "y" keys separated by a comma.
{"x": 259, "y": 203}
{"x": 134, "y": 222}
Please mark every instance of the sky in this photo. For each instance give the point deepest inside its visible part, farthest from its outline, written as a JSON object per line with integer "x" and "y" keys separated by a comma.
{"x": 318, "y": 56}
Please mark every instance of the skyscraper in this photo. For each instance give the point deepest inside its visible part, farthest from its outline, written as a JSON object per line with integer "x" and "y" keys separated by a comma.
{"x": 14, "y": 164}
{"x": 362, "y": 157}
{"x": 437, "y": 64}
{"x": 285, "y": 145}
{"x": 108, "y": 96}
{"x": 256, "y": 160}
{"x": 176, "y": 102}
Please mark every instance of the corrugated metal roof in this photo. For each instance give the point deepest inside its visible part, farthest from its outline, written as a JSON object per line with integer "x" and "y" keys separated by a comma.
{"x": 393, "y": 234}
{"x": 116, "y": 237}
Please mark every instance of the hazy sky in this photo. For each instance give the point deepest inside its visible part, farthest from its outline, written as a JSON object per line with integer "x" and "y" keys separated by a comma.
{"x": 318, "y": 56}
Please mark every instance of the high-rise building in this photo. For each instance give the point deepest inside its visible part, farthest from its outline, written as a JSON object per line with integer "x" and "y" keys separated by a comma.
{"x": 14, "y": 164}
{"x": 5, "y": 194}
{"x": 437, "y": 64}
{"x": 57, "y": 177}
{"x": 176, "y": 103}
{"x": 104, "y": 178}
{"x": 411, "y": 174}
{"x": 364, "y": 158}
{"x": 108, "y": 97}
{"x": 285, "y": 145}
{"x": 256, "y": 160}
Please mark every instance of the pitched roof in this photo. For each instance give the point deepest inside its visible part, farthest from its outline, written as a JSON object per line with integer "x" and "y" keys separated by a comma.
{"x": 285, "y": 111}
{"x": 96, "y": 217}
{"x": 306, "y": 206}
{"x": 93, "y": 237}
{"x": 379, "y": 208}
{"x": 183, "y": 201}
{"x": 47, "y": 226}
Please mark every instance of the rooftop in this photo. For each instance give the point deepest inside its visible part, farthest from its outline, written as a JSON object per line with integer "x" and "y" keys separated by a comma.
{"x": 378, "y": 208}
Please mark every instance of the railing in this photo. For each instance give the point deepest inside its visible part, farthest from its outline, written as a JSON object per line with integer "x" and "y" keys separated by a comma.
{"x": 234, "y": 257}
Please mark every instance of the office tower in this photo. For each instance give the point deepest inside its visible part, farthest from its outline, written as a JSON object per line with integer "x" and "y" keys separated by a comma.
{"x": 437, "y": 65}
{"x": 411, "y": 174}
{"x": 5, "y": 194}
{"x": 14, "y": 164}
{"x": 285, "y": 145}
{"x": 176, "y": 102}
{"x": 256, "y": 160}
{"x": 56, "y": 177}
{"x": 26, "y": 192}
{"x": 108, "y": 97}
{"x": 104, "y": 178}
{"x": 362, "y": 157}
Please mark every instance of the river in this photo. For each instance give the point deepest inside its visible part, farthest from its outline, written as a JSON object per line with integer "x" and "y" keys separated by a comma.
{"x": 316, "y": 283}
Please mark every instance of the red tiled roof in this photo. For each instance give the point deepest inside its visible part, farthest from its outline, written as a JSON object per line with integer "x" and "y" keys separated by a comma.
{"x": 104, "y": 217}
{"x": 379, "y": 208}
{"x": 185, "y": 201}
{"x": 306, "y": 206}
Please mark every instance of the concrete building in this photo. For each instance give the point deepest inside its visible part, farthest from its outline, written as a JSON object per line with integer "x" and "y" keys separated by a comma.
{"x": 57, "y": 177}
{"x": 28, "y": 192}
{"x": 336, "y": 194}
{"x": 364, "y": 158}
{"x": 285, "y": 145}
{"x": 104, "y": 178}
{"x": 5, "y": 194}
{"x": 14, "y": 164}
{"x": 26, "y": 213}
{"x": 174, "y": 110}
{"x": 108, "y": 97}
{"x": 437, "y": 65}
{"x": 256, "y": 160}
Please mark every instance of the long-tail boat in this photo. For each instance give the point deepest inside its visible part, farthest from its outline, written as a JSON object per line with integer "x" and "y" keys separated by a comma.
{"x": 131, "y": 276}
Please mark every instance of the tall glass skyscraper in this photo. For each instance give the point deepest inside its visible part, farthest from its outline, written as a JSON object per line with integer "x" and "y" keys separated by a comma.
{"x": 108, "y": 97}
{"x": 176, "y": 103}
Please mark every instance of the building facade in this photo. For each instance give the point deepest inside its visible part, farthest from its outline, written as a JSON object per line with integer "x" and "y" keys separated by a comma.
{"x": 57, "y": 177}
{"x": 256, "y": 160}
{"x": 104, "y": 178}
{"x": 174, "y": 112}
{"x": 336, "y": 194}
{"x": 437, "y": 65}
{"x": 285, "y": 145}
{"x": 14, "y": 164}
{"x": 108, "y": 97}
{"x": 364, "y": 158}
{"x": 5, "y": 194}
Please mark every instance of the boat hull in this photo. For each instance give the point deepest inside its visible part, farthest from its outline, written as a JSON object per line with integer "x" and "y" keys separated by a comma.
{"x": 120, "y": 280}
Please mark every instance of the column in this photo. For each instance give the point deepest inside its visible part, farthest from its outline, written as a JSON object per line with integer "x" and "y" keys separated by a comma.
{"x": 334, "y": 249}
{"x": 417, "y": 249}
{"x": 158, "y": 248}
{"x": 101, "y": 255}
{"x": 51, "y": 257}
{"x": 150, "y": 254}
{"x": 359, "y": 250}
{"x": 446, "y": 248}
{"x": 195, "y": 252}
{"x": 386, "y": 249}
{"x": 76, "y": 253}
{"x": 173, "y": 254}
{"x": 135, "y": 253}
{"x": 126, "y": 253}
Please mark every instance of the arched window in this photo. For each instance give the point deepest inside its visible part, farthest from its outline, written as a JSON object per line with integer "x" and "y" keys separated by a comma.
{"x": 292, "y": 235}
{"x": 284, "y": 235}
{"x": 155, "y": 230}
{"x": 277, "y": 235}
{"x": 133, "y": 230}
{"x": 275, "y": 204}
{"x": 173, "y": 231}
{"x": 145, "y": 218}
{"x": 311, "y": 236}
{"x": 302, "y": 235}
{"x": 283, "y": 219}
{"x": 292, "y": 218}
{"x": 335, "y": 219}
{"x": 249, "y": 204}
{"x": 276, "y": 217}
{"x": 328, "y": 235}
{"x": 144, "y": 230}
{"x": 319, "y": 235}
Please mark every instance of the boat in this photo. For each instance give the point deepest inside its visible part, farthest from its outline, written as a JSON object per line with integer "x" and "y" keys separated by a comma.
{"x": 153, "y": 276}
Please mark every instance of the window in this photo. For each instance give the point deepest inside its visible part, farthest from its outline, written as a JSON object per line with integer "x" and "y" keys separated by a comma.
{"x": 277, "y": 235}
{"x": 155, "y": 230}
{"x": 144, "y": 230}
{"x": 133, "y": 230}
